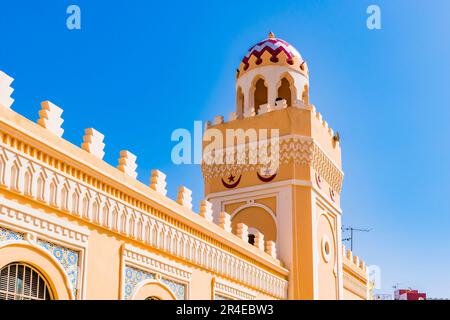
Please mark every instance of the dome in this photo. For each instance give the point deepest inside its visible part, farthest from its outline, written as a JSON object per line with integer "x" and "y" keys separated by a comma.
{"x": 272, "y": 51}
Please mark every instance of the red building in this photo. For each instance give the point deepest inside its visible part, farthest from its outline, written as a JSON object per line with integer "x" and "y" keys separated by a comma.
{"x": 408, "y": 294}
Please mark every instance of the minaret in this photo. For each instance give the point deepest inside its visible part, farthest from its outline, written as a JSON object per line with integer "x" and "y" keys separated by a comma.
{"x": 296, "y": 203}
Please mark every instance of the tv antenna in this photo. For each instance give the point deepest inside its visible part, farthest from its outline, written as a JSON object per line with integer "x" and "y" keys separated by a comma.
{"x": 352, "y": 229}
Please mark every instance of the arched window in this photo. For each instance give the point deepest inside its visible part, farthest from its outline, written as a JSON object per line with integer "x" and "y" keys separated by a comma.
{"x": 260, "y": 95}
{"x": 85, "y": 209}
{"x": 20, "y": 281}
{"x": 15, "y": 177}
{"x": 75, "y": 198}
{"x": 153, "y": 298}
{"x": 27, "y": 182}
{"x": 96, "y": 212}
{"x": 64, "y": 198}
{"x": 115, "y": 217}
{"x": 53, "y": 193}
{"x": 239, "y": 103}
{"x": 258, "y": 218}
{"x": 105, "y": 216}
{"x": 251, "y": 239}
{"x": 285, "y": 92}
{"x": 40, "y": 188}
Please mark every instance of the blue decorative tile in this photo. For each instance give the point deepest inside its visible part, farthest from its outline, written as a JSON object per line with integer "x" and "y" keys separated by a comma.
{"x": 132, "y": 278}
{"x": 178, "y": 289}
{"x": 9, "y": 235}
{"x": 67, "y": 258}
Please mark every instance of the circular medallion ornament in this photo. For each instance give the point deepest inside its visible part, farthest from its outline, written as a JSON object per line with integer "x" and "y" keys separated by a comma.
{"x": 326, "y": 249}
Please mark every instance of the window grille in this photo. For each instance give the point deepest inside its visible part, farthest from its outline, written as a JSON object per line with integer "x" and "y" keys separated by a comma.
{"x": 19, "y": 281}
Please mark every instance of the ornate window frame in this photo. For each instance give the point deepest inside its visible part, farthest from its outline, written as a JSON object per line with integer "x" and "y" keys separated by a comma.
{"x": 161, "y": 267}
{"x": 36, "y": 226}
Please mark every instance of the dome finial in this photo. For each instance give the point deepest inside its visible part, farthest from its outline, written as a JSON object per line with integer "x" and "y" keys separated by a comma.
{"x": 271, "y": 35}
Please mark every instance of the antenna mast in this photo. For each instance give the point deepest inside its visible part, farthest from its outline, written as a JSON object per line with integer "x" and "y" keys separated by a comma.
{"x": 351, "y": 229}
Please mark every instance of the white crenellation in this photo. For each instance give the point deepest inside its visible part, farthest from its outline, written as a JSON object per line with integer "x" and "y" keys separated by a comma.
{"x": 158, "y": 182}
{"x": 250, "y": 112}
{"x": 206, "y": 210}
{"x": 127, "y": 163}
{"x": 218, "y": 120}
{"x": 280, "y": 104}
{"x": 356, "y": 260}
{"x": 93, "y": 142}
{"x": 232, "y": 116}
{"x": 6, "y": 90}
{"x": 184, "y": 197}
{"x": 50, "y": 118}
{"x": 299, "y": 104}
{"x": 242, "y": 231}
{"x": 270, "y": 248}
{"x": 225, "y": 221}
{"x": 259, "y": 240}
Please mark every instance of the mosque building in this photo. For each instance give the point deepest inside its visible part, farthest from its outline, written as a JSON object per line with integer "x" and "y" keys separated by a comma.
{"x": 75, "y": 227}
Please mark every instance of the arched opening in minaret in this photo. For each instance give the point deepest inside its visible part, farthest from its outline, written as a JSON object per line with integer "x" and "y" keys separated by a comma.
{"x": 258, "y": 219}
{"x": 239, "y": 102}
{"x": 285, "y": 91}
{"x": 260, "y": 94}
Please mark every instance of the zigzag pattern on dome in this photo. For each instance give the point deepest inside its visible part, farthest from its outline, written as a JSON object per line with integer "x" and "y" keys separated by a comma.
{"x": 272, "y": 51}
{"x": 274, "y": 47}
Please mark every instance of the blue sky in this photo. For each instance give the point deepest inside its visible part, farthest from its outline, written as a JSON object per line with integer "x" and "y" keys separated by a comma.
{"x": 138, "y": 70}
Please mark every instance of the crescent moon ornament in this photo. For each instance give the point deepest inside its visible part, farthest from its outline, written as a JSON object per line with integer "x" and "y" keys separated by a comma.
{"x": 332, "y": 194}
{"x": 266, "y": 177}
{"x": 319, "y": 181}
{"x": 232, "y": 185}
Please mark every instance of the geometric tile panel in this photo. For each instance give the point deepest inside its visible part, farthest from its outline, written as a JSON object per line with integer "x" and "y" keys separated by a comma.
{"x": 68, "y": 259}
{"x": 132, "y": 278}
{"x": 8, "y": 235}
{"x": 178, "y": 289}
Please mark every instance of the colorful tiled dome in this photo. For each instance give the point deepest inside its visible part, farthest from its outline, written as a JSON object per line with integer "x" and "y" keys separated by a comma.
{"x": 269, "y": 52}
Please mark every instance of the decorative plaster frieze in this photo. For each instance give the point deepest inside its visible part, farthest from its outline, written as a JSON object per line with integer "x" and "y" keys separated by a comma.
{"x": 27, "y": 219}
{"x": 352, "y": 285}
{"x": 155, "y": 263}
{"x": 229, "y": 289}
{"x": 293, "y": 149}
{"x": 23, "y": 174}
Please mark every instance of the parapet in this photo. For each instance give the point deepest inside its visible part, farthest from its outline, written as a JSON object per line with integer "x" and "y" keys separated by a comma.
{"x": 324, "y": 124}
{"x": 353, "y": 261}
{"x": 50, "y": 119}
{"x": 279, "y": 105}
{"x": 6, "y": 90}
